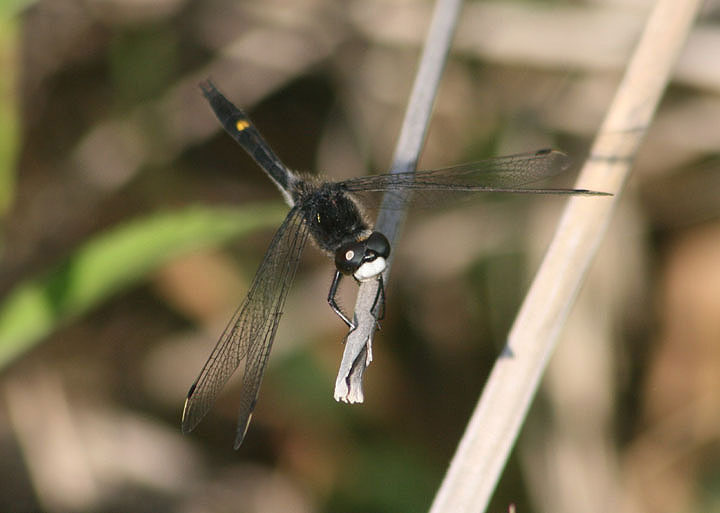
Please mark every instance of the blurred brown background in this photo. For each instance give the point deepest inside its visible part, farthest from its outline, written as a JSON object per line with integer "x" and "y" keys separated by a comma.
{"x": 110, "y": 127}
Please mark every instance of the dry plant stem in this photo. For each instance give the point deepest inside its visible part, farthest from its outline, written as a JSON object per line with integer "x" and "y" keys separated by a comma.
{"x": 495, "y": 423}
{"x": 358, "y": 348}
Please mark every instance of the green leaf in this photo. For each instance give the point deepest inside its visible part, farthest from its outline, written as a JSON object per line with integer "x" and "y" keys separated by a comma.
{"x": 9, "y": 124}
{"x": 114, "y": 261}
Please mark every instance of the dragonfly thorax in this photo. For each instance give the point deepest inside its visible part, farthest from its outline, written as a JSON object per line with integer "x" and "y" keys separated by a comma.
{"x": 332, "y": 215}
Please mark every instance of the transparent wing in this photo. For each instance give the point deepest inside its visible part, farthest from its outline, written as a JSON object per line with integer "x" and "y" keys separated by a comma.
{"x": 512, "y": 173}
{"x": 250, "y": 333}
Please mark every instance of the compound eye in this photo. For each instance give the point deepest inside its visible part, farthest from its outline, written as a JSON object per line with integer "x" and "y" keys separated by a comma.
{"x": 378, "y": 244}
{"x": 349, "y": 257}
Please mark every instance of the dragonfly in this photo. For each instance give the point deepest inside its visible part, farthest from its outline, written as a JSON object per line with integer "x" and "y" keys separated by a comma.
{"x": 331, "y": 214}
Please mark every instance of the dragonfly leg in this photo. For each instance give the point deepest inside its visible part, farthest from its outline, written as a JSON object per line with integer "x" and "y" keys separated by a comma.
{"x": 333, "y": 304}
{"x": 379, "y": 302}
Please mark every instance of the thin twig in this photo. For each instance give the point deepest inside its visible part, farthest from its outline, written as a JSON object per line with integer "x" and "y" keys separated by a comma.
{"x": 496, "y": 421}
{"x": 358, "y": 351}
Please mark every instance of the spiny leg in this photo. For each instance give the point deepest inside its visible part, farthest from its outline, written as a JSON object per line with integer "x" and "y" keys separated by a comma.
{"x": 334, "y": 305}
{"x": 379, "y": 300}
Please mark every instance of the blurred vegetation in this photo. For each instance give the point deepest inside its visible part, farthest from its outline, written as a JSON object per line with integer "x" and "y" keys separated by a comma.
{"x": 9, "y": 122}
{"x": 112, "y": 261}
{"x": 132, "y": 228}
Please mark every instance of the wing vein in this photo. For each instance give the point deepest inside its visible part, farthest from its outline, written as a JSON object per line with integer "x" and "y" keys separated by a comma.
{"x": 250, "y": 333}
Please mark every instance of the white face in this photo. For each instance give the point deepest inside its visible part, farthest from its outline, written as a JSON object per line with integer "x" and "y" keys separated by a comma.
{"x": 370, "y": 270}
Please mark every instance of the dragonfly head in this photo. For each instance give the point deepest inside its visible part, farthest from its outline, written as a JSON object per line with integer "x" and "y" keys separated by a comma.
{"x": 364, "y": 259}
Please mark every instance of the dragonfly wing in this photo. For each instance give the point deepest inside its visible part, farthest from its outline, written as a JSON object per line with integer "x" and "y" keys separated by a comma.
{"x": 249, "y": 335}
{"x": 513, "y": 173}
{"x": 500, "y": 172}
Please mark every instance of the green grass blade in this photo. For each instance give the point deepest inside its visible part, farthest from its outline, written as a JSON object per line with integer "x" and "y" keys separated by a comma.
{"x": 113, "y": 261}
{"x": 9, "y": 124}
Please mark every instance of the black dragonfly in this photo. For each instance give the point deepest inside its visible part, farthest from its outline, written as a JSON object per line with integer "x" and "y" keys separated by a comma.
{"x": 332, "y": 215}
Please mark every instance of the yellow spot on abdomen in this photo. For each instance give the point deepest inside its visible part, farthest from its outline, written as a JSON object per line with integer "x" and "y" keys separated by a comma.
{"x": 241, "y": 125}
